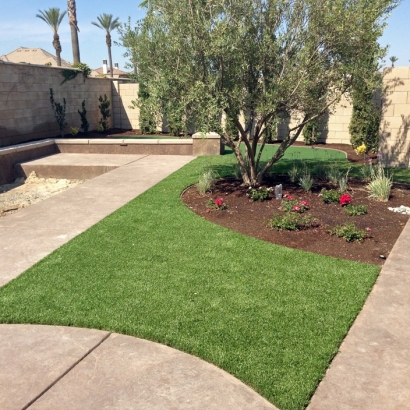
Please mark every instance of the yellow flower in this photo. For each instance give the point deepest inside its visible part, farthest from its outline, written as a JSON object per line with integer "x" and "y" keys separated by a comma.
{"x": 361, "y": 150}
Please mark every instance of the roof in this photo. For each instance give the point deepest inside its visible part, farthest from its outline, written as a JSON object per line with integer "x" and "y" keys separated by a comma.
{"x": 33, "y": 56}
{"x": 116, "y": 72}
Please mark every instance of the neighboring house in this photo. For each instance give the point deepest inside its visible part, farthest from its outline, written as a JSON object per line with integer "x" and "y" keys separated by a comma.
{"x": 33, "y": 56}
{"x": 104, "y": 71}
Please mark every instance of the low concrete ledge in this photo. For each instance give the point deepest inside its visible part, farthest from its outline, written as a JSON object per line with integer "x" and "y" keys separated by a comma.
{"x": 207, "y": 144}
{"x": 26, "y": 146}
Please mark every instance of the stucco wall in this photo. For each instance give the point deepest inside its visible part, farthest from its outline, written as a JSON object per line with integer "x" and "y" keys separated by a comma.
{"x": 124, "y": 116}
{"x": 25, "y": 109}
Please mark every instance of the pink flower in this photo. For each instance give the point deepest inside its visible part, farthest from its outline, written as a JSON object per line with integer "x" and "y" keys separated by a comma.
{"x": 296, "y": 208}
{"x": 305, "y": 203}
{"x": 208, "y": 210}
{"x": 289, "y": 197}
{"x": 368, "y": 229}
{"x": 285, "y": 195}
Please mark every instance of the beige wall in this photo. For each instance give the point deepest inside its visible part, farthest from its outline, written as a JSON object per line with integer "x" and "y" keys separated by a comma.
{"x": 122, "y": 95}
{"x": 26, "y": 114}
{"x": 395, "y": 135}
{"x": 25, "y": 108}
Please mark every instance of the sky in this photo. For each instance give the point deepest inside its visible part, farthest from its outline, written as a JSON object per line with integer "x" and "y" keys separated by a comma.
{"x": 19, "y": 26}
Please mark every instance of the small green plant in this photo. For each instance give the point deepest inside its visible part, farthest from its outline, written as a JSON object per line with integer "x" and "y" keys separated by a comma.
{"x": 216, "y": 204}
{"x": 320, "y": 172}
{"x": 343, "y": 181}
{"x": 292, "y": 222}
{"x": 349, "y": 231}
{"x": 71, "y": 74}
{"x": 366, "y": 171}
{"x": 380, "y": 184}
{"x": 306, "y": 182}
{"x": 59, "y": 113}
{"x": 74, "y": 131}
{"x": 260, "y": 194}
{"x": 104, "y": 110}
{"x": 334, "y": 174}
{"x": 206, "y": 180}
{"x": 100, "y": 128}
{"x": 330, "y": 196}
{"x": 295, "y": 172}
{"x": 355, "y": 210}
{"x": 289, "y": 204}
{"x": 83, "y": 115}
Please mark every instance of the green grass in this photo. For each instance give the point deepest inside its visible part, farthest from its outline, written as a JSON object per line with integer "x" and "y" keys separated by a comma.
{"x": 272, "y": 316}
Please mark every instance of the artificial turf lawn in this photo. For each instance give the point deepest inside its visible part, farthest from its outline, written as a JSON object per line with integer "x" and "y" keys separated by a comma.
{"x": 272, "y": 316}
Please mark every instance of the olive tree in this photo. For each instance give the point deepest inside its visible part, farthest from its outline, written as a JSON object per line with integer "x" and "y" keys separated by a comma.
{"x": 254, "y": 64}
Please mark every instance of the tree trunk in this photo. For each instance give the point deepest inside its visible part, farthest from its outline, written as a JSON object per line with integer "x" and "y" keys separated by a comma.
{"x": 108, "y": 41}
{"x": 72, "y": 16}
{"x": 57, "y": 46}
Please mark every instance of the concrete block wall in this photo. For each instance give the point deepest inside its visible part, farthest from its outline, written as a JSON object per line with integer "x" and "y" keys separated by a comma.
{"x": 122, "y": 94}
{"x": 25, "y": 109}
{"x": 395, "y": 125}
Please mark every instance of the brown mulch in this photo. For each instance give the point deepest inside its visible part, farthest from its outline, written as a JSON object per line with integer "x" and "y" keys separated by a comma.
{"x": 251, "y": 218}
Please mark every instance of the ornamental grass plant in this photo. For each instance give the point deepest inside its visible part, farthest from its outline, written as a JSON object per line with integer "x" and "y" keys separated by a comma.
{"x": 380, "y": 184}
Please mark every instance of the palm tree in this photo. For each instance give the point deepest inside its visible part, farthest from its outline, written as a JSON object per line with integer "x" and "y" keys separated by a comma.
{"x": 53, "y": 18}
{"x": 393, "y": 59}
{"x": 108, "y": 24}
{"x": 72, "y": 16}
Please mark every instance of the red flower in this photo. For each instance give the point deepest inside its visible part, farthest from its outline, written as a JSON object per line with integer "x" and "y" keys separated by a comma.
{"x": 345, "y": 199}
{"x": 219, "y": 201}
{"x": 305, "y": 203}
{"x": 296, "y": 208}
{"x": 289, "y": 197}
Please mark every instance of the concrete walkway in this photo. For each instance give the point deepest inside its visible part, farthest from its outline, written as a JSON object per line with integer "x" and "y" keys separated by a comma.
{"x": 63, "y": 368}
{"x": 372, "y": 369}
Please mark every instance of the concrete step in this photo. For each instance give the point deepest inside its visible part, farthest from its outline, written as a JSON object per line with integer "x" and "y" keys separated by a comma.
{"x": 73, "y": 166}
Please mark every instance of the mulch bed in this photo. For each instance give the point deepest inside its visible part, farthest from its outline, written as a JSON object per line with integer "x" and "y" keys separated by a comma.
{"x": 252, "y": 217}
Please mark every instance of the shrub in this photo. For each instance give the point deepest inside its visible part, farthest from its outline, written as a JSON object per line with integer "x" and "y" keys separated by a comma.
{"x": 355, "y": 210}
{"x": 104, "y": 110}
{"x": 59, "y": 113}
{"x": 306, "y": 182}
{"x": 74, "y": 131}
{"x": 343, "y": 181}
{"x": 217, "y": 204}
{"x": 292, "y": 222}
{"x": 366, "y": 171}
{"x": 294, "y": 173}
{"x": 333, "y": 174}
{"x": 206, "y": 181}
{"x": 292, "y": 205}
{"x": 330, "y": 196}
{"x": 320, "y": 171}
{"x": 311, "y": 132}
{"x": 349, "y": 231}
{"x": 258, "y": 194}
{"x": 380, "y": 184}
{"x": 83, "y": 115}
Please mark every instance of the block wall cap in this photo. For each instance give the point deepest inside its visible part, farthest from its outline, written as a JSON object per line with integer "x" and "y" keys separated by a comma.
{"x": 208, "y": 135}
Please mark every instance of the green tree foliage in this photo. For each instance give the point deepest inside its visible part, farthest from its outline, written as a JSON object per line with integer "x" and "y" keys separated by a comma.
{"x": 53, "y": 18}
{"x": 104, "y": 110}
{"x": 366, "y": 116}
{"x": 59, "y": 112}
{"x": 107, "y": 23}
{"x": 263, "y": 59}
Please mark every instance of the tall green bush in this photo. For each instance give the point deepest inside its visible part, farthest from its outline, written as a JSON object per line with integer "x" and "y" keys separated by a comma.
{"x": 105, "y": 111}
{"x": 365, "y": 121}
